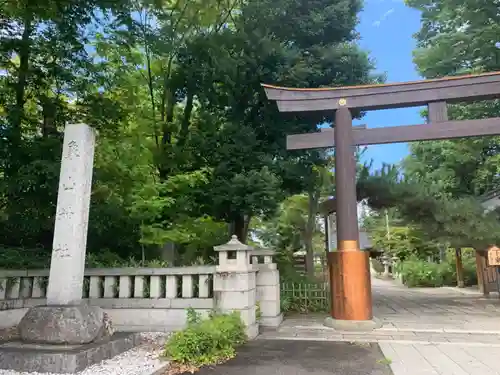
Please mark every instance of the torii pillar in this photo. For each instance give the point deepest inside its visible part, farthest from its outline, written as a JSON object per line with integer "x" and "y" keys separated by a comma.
{"x": 349, "y": 266}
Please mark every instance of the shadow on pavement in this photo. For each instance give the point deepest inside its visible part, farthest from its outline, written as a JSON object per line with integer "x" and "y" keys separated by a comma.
{"x": 276, "y": 357}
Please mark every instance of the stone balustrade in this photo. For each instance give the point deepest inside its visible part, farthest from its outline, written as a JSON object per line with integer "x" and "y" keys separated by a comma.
{"x": 122, "y": 283}
{"x": 156, "y": 299}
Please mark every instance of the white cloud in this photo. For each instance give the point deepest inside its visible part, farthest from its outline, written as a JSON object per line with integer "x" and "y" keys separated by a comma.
{"x": 384, "y": 16}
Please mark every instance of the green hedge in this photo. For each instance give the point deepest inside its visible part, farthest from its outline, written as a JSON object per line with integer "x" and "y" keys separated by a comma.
{"x": 420, "y": 273}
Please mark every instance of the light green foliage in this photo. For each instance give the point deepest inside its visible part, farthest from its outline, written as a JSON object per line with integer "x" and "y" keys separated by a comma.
{"x": 422, "y": 273}
{"x": 288, "y": 230}
{"x": 206, "y": 341}
{"x": 396, "y": 238}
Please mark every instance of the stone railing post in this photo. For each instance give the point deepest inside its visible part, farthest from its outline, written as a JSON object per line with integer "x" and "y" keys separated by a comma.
{"x": 235, "y": 283}
{"x": 268, "y": 289}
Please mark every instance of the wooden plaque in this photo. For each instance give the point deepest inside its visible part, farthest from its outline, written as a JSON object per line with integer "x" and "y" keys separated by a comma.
{"x": 494, "y": 256}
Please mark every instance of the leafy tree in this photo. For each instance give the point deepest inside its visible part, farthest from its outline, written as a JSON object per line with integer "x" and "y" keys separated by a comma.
{"x": 457, "y": 37}
{"x": 395, "y": 236}
{"x": 188, "y": 142}
{"x": 250, "y": 134}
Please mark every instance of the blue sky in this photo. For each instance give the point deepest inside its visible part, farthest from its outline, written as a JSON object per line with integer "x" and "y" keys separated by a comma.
{"x": 386, "y": 30}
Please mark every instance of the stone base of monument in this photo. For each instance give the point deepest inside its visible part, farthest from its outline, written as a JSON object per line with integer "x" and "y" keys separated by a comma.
{"x": 62, "y": 359}
{"x": 63, "y": 339}
{"x": 353, "y": 325}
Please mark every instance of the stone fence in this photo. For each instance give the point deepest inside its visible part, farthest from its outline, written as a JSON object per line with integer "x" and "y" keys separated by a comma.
{"x": 156, "y": 299}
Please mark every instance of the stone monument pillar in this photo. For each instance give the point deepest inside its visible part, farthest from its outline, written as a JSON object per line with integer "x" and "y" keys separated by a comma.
{"x": 72, "y": 216}
{"x": 235, "y": 283}
{"x": 64, "y": 320}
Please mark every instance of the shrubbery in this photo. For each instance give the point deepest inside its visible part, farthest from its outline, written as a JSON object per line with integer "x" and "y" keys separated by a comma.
{"x": 206, "y": 341}
{"x": 420, "y": 273}
{"x": 23, "y": 258}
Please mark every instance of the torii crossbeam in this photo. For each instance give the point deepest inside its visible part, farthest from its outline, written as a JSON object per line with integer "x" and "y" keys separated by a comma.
{"x": 349, "y": 267}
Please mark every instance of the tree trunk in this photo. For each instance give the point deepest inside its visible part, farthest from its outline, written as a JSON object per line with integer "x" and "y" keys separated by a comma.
{"x": 49, "y": 117}
{"x": 167, "y": 124}
{"x": 167, "y": 105}
{"x": 240, "y": 227}
{"x": 460, "y": 268}
{"x": 169, "y": 253}
{"x": 186, "y": 119}
{"x": 309, "y": 256}
{"x": 22, "y": 76}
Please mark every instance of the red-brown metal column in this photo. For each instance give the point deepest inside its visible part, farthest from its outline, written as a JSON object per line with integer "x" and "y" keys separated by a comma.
{"x": 349, "y": 267}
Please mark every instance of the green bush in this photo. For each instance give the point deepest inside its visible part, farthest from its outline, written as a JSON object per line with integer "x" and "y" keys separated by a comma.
{"x": 420, "y": 273}
{"x": 206, "y": 341}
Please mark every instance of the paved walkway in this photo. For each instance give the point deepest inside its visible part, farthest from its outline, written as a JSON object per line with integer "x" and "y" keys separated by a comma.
{"x": 434, "y": 309}
{"x": 424, "y": 331}
{"x": 283, "y": 357}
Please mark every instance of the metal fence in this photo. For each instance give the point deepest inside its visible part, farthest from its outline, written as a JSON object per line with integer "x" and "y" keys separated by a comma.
{"x": 305, "y": 297}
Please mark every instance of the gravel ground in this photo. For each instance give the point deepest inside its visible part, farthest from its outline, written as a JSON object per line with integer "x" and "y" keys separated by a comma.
{"x": 142, "y": 360}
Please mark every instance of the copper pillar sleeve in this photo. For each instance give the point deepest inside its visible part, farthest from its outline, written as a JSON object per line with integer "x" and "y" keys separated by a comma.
{"x": 336, "y": 288}
{"x": 351, "y": 297}
{"x": 356, "y": 283}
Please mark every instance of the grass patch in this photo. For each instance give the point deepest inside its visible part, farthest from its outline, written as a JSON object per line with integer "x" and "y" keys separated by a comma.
{"x": 385, "y": 361}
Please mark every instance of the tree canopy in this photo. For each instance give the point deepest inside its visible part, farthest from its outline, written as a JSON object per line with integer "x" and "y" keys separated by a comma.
{"x": 189, "y": 147}
{"x": 439, "y": 196}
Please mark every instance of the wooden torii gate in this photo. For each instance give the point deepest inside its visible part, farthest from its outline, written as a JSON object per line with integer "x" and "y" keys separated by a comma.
{"x": 349, "y": 267}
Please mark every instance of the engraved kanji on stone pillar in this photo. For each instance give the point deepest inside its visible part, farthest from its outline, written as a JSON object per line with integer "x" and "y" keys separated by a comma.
{"x": 72, "y": 215}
